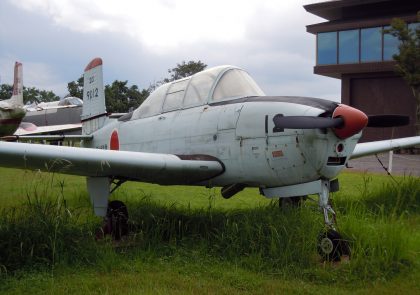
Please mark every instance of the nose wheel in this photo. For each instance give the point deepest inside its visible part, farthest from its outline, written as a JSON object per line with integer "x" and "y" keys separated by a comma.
{"x": 331, "y": 246}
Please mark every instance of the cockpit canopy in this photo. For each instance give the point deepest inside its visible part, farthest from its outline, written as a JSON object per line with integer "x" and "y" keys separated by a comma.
{"x": 209, "y": 86}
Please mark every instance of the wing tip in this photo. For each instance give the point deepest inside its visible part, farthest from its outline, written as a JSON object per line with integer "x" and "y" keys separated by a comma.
{"x": 97, "y": 61}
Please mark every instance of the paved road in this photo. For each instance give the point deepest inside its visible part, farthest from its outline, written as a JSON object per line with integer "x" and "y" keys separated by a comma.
{"x": 401, "y": 164}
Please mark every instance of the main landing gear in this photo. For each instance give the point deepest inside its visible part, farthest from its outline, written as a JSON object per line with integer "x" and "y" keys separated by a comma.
{"x": 331, "y": 245}
{"x": 115, "y": 222}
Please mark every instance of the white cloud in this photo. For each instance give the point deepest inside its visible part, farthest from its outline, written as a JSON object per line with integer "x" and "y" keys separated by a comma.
{"x": 140, "y": 40}
{"x": 165, "y": 24}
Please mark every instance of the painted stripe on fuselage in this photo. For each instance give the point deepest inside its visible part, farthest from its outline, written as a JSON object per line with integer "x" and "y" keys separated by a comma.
{"x": 319, "y": 103}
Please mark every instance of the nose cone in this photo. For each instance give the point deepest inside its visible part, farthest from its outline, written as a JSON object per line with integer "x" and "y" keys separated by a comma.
{"x": 354, "y": 121}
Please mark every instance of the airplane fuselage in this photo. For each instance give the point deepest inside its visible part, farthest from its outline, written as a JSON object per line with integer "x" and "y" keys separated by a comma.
{"x": 242, "y": 136}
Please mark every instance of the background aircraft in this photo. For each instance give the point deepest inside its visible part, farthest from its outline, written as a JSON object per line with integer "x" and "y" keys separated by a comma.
{"x": 11, "y": 110}
{"x": 57, "y": 117}
{"x": 215, "y": 128}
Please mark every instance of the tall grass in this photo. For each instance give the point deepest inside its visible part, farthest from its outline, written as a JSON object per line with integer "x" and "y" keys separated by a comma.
{"x": 261, "y": 238}
{"x": 46, "y": 232}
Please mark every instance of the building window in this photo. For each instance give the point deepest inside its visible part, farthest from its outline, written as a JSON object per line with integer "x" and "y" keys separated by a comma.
{"x": 390, "y": 45}
{"x": 327, "y": 48}
{"x": 358, "y": 45}
{"x": 371, "y": 44}
{"x": 348, "y": 45}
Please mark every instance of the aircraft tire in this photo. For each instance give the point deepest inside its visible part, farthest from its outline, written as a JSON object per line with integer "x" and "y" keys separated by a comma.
{"x": 116, "y": 220}
{"x": 331, "y": 246}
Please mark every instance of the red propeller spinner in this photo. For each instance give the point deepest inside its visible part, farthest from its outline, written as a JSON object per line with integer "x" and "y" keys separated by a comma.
{"x": 354, "y": 121}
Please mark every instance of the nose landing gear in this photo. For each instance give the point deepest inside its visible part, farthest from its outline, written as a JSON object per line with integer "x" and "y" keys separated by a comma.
{"x": 331, "y": 245}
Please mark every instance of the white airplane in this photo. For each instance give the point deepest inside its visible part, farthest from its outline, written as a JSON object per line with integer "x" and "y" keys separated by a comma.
{"x": 56, "y": 117}
{"x": 11, "y": 110}
{"x": 215, "y": 128}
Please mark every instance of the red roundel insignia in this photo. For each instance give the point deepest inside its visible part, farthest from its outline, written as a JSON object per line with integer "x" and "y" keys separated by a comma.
{"x": 114, "y": 143}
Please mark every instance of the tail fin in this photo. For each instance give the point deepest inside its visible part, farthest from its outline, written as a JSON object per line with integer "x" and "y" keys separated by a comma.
{"x": 94, "y": 109}
{"x": 17, "y": 97}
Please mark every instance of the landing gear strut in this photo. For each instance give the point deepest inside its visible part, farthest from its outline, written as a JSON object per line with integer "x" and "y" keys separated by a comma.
{"x": 331, "y": 245}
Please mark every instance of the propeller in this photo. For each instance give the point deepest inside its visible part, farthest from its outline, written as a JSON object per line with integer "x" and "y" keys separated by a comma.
{"x": 345, "y": 121}
{"x": 305, "y": 122}
{"x": 387, "y": 120}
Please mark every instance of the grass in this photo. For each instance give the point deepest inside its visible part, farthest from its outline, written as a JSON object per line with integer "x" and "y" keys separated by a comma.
{"x": 190, "y": 240}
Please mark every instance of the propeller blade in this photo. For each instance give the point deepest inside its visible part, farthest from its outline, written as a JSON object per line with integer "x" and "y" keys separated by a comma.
{"x": 387, "y": 120}
{"x": 306, "y": 122}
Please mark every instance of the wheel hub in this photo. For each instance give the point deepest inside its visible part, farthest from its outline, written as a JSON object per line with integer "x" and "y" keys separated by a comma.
{"x": 326, "y": 245}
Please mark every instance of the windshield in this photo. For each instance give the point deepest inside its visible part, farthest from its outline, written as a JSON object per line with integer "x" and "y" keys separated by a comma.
{"x": 236, "y": 83}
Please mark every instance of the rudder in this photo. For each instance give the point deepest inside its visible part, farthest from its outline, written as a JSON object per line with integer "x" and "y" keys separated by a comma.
{"x": 17, "y": 96}
{"x": 94, "y": 109}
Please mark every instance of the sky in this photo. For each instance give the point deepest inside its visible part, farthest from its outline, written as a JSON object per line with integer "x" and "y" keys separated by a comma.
{"x": 140, "y": 40}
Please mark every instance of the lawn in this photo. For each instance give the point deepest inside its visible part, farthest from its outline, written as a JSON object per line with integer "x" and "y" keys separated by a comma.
{"x": 189, "y": 240}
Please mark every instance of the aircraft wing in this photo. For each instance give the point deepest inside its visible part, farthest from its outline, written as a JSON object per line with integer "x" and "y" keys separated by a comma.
{"x": 147, "y": 167}
{"x": 375, "y": 147}
{"x": 32, "y": 129}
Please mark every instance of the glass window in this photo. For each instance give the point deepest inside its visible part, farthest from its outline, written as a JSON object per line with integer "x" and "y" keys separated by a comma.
{"x": 152, "y": 105}
{"x": 327, "y": 48}
{"x": 371, "y": 47}
{"x": 236, "y": 83}
{"x": 199, "y": 88}
{"x": 390, "y": 45}
{"x": 175, "y": 95}
{"x": 348, "y": 46}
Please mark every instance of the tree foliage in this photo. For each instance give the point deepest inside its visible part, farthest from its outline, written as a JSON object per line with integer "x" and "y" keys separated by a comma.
{"x": 30, "y": 94}
{"x": 184, "y": 69}
{"x": 75, "y": 88}
{"x": 120, "y": 98}
{"x": 408, "y": 58}
{"x": 6, "y": 91}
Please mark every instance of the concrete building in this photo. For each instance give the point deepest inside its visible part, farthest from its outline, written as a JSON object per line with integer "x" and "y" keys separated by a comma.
{"x": 351, "y": 46}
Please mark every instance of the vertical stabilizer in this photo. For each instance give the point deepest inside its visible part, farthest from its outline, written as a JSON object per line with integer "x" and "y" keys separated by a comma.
{"x": 94, "y": 110}
{"x": 17, "y": 97}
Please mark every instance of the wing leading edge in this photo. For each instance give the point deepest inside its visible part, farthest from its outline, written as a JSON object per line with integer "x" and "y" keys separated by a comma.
{"x": 147, "y": 167}
{"x": 375, "y": 147}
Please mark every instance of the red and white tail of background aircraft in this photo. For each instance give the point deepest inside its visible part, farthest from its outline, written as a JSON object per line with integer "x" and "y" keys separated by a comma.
{"x": 11, "y": 110}
{"x": 215, "y": 128}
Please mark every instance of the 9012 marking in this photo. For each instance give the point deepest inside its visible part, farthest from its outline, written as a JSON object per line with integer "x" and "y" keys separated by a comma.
{"x": 92, "y": 93}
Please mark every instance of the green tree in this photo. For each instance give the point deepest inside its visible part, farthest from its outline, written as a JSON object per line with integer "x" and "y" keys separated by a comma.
{"x": 75, "y": 88}
{"x": 31, "y": 94}
{"x": 182, "y": 70}
{"x": 6, "y": 91}
{"x": 408, "y": 58}
{"x": 120, "y": 98}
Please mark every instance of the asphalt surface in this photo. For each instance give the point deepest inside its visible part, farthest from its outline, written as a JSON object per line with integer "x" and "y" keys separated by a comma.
{"x": 402, "y": 164}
